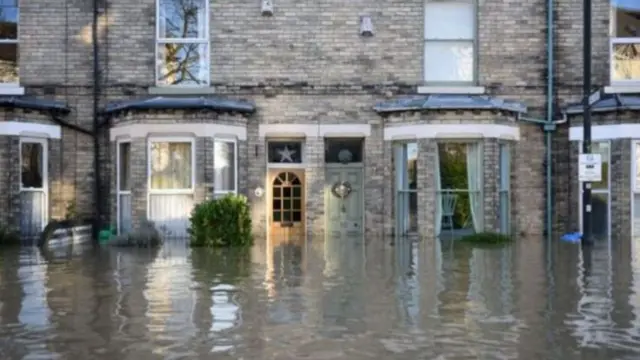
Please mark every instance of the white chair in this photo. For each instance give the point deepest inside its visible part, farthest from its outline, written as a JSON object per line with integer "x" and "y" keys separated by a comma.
{"x": 448, "y": 209}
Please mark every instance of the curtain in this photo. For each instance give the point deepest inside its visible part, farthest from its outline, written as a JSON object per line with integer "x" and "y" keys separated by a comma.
{"x": 171, "y": 165}
{"x": 224, "y": 166}
{"x": 438, "y": 193}
{"x": 474, "y": 178}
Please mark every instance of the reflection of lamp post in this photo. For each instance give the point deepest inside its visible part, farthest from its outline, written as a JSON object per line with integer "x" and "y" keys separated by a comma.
{"x": 586, "y": 126}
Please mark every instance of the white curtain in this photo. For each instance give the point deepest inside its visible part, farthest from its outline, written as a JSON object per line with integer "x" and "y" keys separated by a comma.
{"x": 171, "y": 165}
{"x": 224, "y": 166}
{"x": 474, "y": 178}
{"x": 438, "y": 193}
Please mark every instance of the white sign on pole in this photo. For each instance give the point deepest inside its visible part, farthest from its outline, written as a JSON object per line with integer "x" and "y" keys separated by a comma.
{"x": 590, "y": 168}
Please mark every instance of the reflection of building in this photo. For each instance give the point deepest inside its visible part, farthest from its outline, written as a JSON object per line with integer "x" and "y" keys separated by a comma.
{"x": 332, "y": 119}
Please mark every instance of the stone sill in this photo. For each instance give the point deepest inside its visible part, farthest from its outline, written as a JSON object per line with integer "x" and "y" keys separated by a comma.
{"x": 11, "y": 90}
{"x": 171, "y": 90}
{"x": 622, "y": 89}
{"x": 462, "y": 90}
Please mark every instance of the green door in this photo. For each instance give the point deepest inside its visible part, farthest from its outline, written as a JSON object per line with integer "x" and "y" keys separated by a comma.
{"x": 344, "y": 202}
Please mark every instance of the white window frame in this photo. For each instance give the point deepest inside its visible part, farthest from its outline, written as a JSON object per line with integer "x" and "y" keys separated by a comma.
{"x": 11, "y": 88}
{"x": 234, "y": 141}
{"x": 45, "y": 173}
{"x": 120, "y": 192}
{"x": 401, "y": 178}
{"x": 598, "y": 191}
{"x": 504, "y": 185}
{"x": 204, "y": 41}
{"x": 171, "y": 139}
{"x": 473, "y": 40}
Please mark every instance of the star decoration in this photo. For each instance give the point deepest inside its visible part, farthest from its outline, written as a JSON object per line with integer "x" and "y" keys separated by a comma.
{"x": 285, "y": 155}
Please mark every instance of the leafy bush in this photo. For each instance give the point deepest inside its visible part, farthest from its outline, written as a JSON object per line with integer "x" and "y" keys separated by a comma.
{"x": 147, "y": 236}
{"x": 221, "y": 222}
{"x": 486, "y": 238}
{"x": 8, "y": 237}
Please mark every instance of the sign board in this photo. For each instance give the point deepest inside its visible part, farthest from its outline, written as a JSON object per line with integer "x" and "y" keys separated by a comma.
{"x": 590, "y": 168}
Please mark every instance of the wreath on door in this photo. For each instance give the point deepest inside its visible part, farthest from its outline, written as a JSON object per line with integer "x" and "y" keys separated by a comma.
{"x": 341, "y": 189}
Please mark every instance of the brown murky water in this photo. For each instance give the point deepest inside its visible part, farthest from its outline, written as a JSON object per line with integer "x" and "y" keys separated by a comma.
{"x": 339, "y": 299}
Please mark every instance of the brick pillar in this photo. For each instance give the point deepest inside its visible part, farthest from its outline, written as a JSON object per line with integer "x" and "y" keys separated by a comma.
{"x": 204, "y": 164}
{"x": 389, "y": 194}
{"x": 256, "y": 174}
{"x": 427, "y": 150}
{"x": 139, "y": 184}
{"x": 13, "y": 182}
{"x": 376, "y": 172}
{"x": 314, "y": 181}
{"x": 491, "y": 172}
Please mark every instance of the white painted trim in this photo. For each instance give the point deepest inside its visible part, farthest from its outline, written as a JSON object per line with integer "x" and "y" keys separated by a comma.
{"x": 119, "y": 192}
{"x": 607, "y": 132}
{"x": 192, "y": 129}
{"x": 452, "y": 131}
{"x": 235, "y": 165}
{"x": 16, "y": 128}
{"x": 314, "y": 130}
{"x": 45, "y": 174}
{"x": 622, "y": 89}
{"x": 11, "y": 90}
{"x": 473, "y": 90}
{"x": 598, "y": 191}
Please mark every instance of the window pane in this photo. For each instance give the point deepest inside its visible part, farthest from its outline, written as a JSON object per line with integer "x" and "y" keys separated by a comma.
{"x": 636, "y": 214}
{"x": 449, "y": 20}
{"x": 9, "y": 15}
{"x": 505, "y": 167}
{"x": 183, "y": 64}
{"x": 182, "y": 19}
{"x": 285, "y": 151}
{"x": 411, "y": 151}
{"x": 343, "y": 151}
{"x": 8, "y": 63}
{"x": 624, "y": 18}
{"x": 32, "y": 167}
{"x": 600, "y": 215}
{"x": 224, "y": 163}
{"x": 124, "y": 172}
{"x": 171, "y": 165}
{"x": 637, "y": 159}
{"x": 602, "y": 148}
{"x": 626, "y": 62}
{"x": 448, "y": 61}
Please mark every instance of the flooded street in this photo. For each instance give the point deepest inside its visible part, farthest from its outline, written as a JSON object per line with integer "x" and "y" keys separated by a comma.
{"x": 333, "y": 299}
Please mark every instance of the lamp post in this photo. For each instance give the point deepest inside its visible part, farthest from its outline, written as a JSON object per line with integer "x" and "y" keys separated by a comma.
{"x": 586, "y": 126}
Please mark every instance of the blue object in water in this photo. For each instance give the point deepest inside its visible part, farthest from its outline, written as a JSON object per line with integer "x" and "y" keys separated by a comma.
{"x": 574, "y": 237}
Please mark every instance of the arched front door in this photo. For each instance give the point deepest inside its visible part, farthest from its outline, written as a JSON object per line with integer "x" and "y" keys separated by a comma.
{"x": 286, "y": 218}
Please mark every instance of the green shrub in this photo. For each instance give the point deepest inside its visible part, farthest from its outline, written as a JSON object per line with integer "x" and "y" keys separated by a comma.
{"x": 221, "y": 222}
{"x": 8, "y": 237}
{"x": 486, "y": 238}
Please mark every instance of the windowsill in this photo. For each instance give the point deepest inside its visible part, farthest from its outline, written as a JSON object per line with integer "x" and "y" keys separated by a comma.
{"x": 11, "y": 90}
{"x": 462, "y": 90}
{"x": 622, "y": 89}
{"x": 176, "y": 90}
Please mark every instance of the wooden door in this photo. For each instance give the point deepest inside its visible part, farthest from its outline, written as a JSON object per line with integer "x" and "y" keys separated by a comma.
{"x": 287, "y": 211}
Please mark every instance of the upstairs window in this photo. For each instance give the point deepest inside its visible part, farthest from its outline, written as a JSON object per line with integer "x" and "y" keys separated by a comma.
{"x": 182, "y": 43}
{"x": 449, "y": 42}
{"x": 624, "y": 35}
{"x": 9, "y": 14}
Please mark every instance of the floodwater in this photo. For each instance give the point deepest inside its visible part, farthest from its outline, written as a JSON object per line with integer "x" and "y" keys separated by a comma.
{"x": 333, "y": 299}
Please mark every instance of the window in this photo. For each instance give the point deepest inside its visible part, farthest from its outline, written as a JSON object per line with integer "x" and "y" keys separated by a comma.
{"x": 343, "y": 150}
{"x": 624, "y": 35}
{"x": 32, "y": 165}
{"x": 124, "y": 166}
{"x": 182, "y": 43}
{"x": 9, "y": 13}
{"x": 171, "y": 166}
{"x": 406, "y": 170}
{"x": 225, "y": 166}
{"x": 449, "y": 41}
{"x": 284, "y": 152}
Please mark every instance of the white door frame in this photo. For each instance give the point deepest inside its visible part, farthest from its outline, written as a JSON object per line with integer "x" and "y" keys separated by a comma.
{"x": 45, "y": 174}
{"x": 119, "y": 192}
{"x": 170, "y": 139}
{"x": 598, "y": 191}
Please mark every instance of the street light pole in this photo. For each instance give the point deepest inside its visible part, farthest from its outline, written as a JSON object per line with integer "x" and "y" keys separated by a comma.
{"x": 586, "y": 126}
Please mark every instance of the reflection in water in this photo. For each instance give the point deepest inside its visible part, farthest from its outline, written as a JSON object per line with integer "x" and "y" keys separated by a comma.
{"x": 342, "y": 298}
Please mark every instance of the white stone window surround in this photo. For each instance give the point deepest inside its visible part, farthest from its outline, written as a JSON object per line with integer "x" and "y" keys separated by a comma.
{"x": 27, "y": 129}
{"x": 452, "y": 131}
{"x": 450, "y": 46}
{"x": 12, "y": 88}
{"x": 182, "y": 129}
{"x": 621, "y": 36}
{"x": 202, "y": 39}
